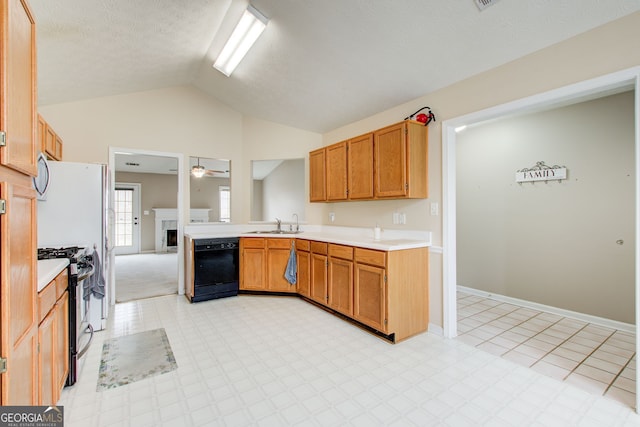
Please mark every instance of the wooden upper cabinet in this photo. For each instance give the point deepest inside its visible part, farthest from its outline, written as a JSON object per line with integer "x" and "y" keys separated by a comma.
{"x": 360, "y": 167}
{"x": 317, "y": 176}
{"x": 48, "y": 141}
{"x": 18, "y": 87}
{"x": 400, "y": 156}
{"x": 337, "y": 171}
{"x": 390, "y": 163}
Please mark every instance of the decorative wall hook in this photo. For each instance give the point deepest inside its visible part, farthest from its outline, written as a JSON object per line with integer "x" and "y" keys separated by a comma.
{"x": 541, "y": 172}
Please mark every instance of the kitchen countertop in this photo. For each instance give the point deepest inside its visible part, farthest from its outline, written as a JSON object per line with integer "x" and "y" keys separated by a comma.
{"x": 392, "y": 240}
{"x": 48, "y": 269}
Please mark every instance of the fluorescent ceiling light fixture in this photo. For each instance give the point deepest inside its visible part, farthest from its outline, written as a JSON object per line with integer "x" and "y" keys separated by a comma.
{"x": 245, "y": 34}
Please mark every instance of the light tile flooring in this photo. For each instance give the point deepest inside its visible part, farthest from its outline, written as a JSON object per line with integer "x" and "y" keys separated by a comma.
{"x": 278, "y": 361}
{"x": 597, "y": 359}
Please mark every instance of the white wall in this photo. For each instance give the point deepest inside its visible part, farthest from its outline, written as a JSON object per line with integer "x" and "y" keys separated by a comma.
{"x": 552, "y": 243}
{"x": 178, "y": 119}
{"x": 283, "y": 193}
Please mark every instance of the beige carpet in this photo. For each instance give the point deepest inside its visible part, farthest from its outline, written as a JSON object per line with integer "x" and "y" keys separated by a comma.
{"x": 146, "y": 275}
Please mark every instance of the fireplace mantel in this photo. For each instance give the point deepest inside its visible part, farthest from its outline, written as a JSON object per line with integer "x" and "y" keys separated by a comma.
{"x": 169, "y": 216}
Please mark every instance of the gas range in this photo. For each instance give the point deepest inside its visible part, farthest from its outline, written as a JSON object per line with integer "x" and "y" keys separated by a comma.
{"x": 80, "y": 260}
{"x": 80, "y": 331}
{"x": 51, "y": 253}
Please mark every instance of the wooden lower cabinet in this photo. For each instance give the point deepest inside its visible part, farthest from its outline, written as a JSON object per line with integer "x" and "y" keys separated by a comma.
{"x": 278, "y": 253}
{"x": 370, "y": 297}
{"x": 319, "y": 272}
{"x": 53, "y": 340}
{"x": 46, "y": 340}
{"x": 263, "y": 262}
{"x": 303, "y": 282}
{"x": 340, "y": 279}
{"x": 387, "y": 291}
{"x": 253, "y": 274}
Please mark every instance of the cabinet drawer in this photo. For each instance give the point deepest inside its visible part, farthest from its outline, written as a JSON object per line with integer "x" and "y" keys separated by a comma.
{"x": 279, "y": 243}
{"x": 62, "y": 283}
{"x": 371, "y": 257}
{"x": 339, "y": 251}
{"x": 46, "y": 300}
{"x": 319, "y": 248}
{"x": 302, "y": 245}
{"x": 252, "y": 242}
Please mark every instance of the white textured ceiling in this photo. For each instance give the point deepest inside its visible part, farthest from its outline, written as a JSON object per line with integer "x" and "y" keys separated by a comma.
{"x": 319, "y": 64}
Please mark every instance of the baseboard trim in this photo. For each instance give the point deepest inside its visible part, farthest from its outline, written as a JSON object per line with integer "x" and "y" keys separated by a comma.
{"x": 436, "y": 330}
{"x": 601, "y": 321}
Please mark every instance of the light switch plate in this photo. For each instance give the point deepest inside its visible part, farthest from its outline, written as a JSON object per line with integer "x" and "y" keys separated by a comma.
{"x": 434, "y": 208}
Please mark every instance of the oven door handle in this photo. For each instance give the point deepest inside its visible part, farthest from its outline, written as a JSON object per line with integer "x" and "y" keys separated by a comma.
{"x": 86, "y": 347}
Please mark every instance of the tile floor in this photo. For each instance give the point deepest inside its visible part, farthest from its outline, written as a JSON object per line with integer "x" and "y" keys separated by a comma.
{"x": 278, "y": 361}
{"x": 597, "y": 359}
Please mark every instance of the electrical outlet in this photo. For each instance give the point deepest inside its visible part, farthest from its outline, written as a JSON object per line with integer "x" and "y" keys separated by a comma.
{"x": 434, "y": 208}
{"x": 332, "y": 216}
{"x": 396, "y": 218}
{"x": 403, "y": 218}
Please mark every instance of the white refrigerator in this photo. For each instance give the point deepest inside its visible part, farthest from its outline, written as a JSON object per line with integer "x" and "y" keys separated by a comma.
{"x": 75, "y": 212}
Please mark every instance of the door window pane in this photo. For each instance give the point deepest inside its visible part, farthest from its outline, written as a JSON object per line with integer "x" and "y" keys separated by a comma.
{"x": 123, "y": 201}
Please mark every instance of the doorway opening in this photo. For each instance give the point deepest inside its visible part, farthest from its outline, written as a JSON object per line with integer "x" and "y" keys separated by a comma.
{"x": 591, "y": 89}
{"x": 160, "y": 176}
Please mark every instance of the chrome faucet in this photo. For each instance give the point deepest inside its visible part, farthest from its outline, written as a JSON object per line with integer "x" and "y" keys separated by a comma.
{"x": 279, "y": 222}
{"x": 297, "y": 223}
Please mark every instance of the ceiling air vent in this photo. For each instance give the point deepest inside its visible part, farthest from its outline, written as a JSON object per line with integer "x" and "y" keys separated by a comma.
{"x": 483, "y": 4}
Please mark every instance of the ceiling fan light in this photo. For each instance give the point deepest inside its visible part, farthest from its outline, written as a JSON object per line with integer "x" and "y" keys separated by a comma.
{"x": 251, "y": 25}
{"x": 197, "y": 171}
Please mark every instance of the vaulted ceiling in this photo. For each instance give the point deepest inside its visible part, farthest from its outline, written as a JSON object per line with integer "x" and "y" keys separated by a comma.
{"x": 319, "y": 64}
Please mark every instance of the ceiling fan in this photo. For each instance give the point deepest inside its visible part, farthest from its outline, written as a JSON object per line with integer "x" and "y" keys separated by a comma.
{"x": 199, "y": 171}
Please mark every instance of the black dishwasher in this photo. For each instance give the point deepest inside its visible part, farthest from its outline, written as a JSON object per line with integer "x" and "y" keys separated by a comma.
{"x": 216, "y": 268}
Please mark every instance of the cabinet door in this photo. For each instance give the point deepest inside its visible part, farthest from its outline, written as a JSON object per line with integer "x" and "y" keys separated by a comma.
{"x": 317, "y": 172}
{"x": 360, "y": 168}
{"x": 18, "y": 296}
{"x": 340, "y": 286}
{"x": 189, "y": 268}
{"x": 58, "y": 148}
{"x": 46, "y": 333}
{"x": 336, "y": 173}
{"x": 50, "y": 142}
{"x": 18, "y": 86}
{"x": 40, "y": 134}
{"x": 370, "y": 306}
{"x": 390, "y": 155}
{"x": 278, "y": 254}
{"x": 61, "y": 359}
{"x": 46, "y": 339}
{"x": 319, "y": 278}
{"x": 253, "y": 272}
{"x": 304, "y": 273}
